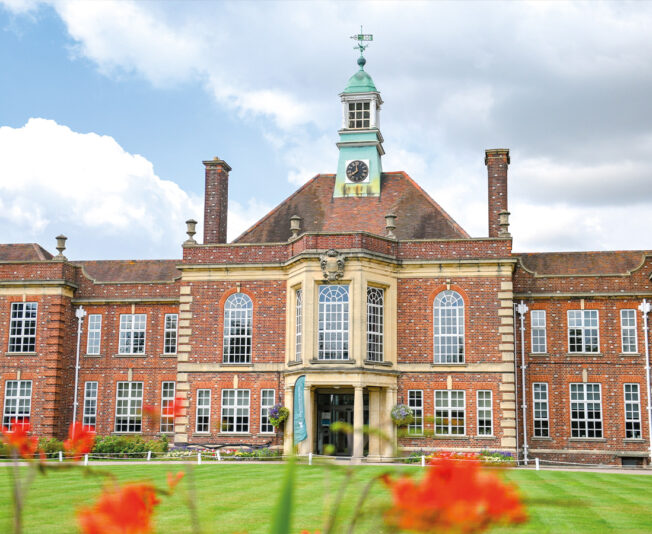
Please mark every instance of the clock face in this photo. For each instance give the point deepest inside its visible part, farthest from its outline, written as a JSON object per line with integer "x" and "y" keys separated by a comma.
{"x": 357, "y": 171}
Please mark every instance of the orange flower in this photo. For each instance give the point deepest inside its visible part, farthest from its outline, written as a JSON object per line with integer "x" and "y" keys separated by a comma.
{"x": 80, "y": 440}
{"x": 125, "y": 510}
{"x": 174, "y": 409}
{"x": 173, "y": 480}
{"x": 454, "y": 495}
{"x": 18, "y": 440}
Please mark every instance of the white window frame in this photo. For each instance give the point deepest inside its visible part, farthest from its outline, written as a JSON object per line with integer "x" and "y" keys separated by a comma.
{"x": 415, "y": 402}
{"x": 298, "y": 329}
{"x": 203, "y": 412}
{"x": 444, "y": 399}
{"x": 168, "y": 392}
{"x": 540, "y": 410}
{"x": 133, "y": 329}
{"x": 448, "y": 339}
{"x": 580, "y": 426}
{"x": 485, "y": 412}
{"x": 265, "y": 426}
{"x": 538, "y": 329}
{"x": 632, "y": 404}
{"x": 94, "y": 338}
{"x": 89, "y": 415}
{"x": 355, "y": 118}
{"x": 132, "y": 419}
{"x": 233, "y": 408}
{"x": 17, "y": 403}
{"x": 333, "y": 328}
{"x": 375, "y": 323}
{"x": 237, "y": 339}
{"x": 22, "y": 327}
{"x": 170, "y": 336}
{"x": 585, "y": 328}
{"x": 628, "y": 331}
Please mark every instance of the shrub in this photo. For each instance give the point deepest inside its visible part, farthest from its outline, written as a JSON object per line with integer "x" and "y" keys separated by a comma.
{"x": 50, "y": 446}
{"x": 132, "y": 446}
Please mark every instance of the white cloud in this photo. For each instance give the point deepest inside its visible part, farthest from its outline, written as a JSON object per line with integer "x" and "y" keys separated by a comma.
{"x": 55, "y": 180}
{"x": 241, "y": 217}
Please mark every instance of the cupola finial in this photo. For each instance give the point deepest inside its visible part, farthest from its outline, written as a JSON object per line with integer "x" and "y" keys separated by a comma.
{"x": 361, "y": 38}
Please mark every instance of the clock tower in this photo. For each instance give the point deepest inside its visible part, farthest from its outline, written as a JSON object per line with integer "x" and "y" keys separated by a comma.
{"x": 361, "y": 143}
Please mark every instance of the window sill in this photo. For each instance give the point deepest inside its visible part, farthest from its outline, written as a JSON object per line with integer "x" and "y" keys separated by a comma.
{"x": 446, "y": 436}
{"x": 539, "y": 354}
{"x": 584, "y": 354}
{"x": 541, "y": 438}
{"x": 382, "y": 364}
{"x": 461, "y": 364}
{"x": 200, "y": 434}
{"x": 126, "y": 433}
{"x": 485, "y": 437}
{"x": 93, "y": 355}
{"x": 622, "y": 354}
{"x": 20, "y": 353}
{"x": 130, "y": 355}
{"x": 414, "y": 436}
{"x": 589, "y": 439}
{"x": 224, "y": 364}
{"x": 333, "y": 362}
{"x": 169, "y": 355}
{"x": 266, "y": 434}
{"x": 294, "y": 362}
{"x": 235, "y": 434}
{"x": 634, "y": 440}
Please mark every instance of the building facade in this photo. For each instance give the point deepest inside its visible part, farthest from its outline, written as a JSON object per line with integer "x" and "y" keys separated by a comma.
{"x": 362, "y": 292}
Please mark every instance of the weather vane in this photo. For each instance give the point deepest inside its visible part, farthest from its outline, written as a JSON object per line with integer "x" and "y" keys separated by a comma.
{"x": 361, "y": 38}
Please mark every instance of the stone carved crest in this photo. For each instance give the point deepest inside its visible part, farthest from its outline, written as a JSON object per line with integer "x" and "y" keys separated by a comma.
{"x": 332, "y": 265}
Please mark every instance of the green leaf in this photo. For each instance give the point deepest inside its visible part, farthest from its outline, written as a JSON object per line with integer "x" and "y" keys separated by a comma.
{"x": 282, "y": 517}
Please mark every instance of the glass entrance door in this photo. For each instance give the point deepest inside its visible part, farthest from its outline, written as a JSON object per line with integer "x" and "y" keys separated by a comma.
{"x": 332, "y": 407}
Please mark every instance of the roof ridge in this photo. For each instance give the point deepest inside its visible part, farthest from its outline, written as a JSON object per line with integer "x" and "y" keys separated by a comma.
{"x": 278, "y": 206}
{"x": 450, "y": 219}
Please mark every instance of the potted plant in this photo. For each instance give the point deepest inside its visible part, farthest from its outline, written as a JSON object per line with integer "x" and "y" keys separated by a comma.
{"x": 278, "y": 415}
{"x": 402, "y": 415}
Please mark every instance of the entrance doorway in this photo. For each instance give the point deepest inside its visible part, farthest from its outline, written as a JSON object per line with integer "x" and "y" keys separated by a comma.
{"x": 331, "y": 408}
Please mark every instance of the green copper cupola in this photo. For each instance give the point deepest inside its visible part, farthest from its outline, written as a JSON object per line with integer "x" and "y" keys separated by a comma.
{"x": 361, "y": 143}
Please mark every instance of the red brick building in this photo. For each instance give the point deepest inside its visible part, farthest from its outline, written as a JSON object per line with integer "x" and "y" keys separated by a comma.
{"x": 365, "y": 287}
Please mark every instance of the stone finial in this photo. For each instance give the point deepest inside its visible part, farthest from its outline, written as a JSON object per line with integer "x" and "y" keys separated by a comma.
{"x": 61, "y": 246}
{"x": 503, "y": 218}
{"x": 190, "y": 230}
{"x": 390, "y": 225}
{"x": 295, "y": 226}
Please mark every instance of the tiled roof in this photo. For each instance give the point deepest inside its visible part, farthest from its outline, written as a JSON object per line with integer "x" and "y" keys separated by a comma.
{"x": 24, "y": 252}
{"x": 131, "y": 271}
{"x": 417, "y": 215}
{"x": 582, "y": 263}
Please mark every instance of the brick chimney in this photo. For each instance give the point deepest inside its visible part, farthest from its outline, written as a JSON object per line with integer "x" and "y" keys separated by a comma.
{"x": 497, "y": 161}
{"x": 216, "y": 200}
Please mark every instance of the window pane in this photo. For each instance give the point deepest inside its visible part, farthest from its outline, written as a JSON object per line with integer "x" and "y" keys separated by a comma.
{"x": 238, "y": 313}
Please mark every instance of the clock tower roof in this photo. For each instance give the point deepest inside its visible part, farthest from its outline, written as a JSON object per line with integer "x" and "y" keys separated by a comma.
{"x": 360, "y": 82}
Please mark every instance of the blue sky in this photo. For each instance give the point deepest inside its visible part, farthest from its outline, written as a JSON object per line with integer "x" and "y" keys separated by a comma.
{"x": 108, "y": 108}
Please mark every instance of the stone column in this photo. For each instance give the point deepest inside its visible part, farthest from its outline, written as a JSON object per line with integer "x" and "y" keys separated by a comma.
{"x": 388, "y": 428}
{"x": 358, "y": 422}
{"x": 374, "y": 424}
{"x": 288, "y": 431}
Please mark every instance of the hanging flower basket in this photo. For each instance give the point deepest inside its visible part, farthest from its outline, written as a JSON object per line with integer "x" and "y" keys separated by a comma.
{"x": 278, "y": 415}
{"x": 402, "y": 415}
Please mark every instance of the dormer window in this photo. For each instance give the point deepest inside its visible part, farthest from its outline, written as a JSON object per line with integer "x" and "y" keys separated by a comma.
{"x": 359, "y": 115}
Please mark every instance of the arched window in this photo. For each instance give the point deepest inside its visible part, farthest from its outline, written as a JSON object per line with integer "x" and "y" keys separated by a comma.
{"x": 238, "y": 311}
{"x": 448, "y": 327}
{"x": 334, "y": 322}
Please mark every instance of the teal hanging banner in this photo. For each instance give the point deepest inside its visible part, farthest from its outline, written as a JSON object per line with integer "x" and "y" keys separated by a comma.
{"x": 300, "y": 430}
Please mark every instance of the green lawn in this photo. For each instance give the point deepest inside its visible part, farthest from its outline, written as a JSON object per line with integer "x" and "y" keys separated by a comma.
{"x": 238, "y": 498}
